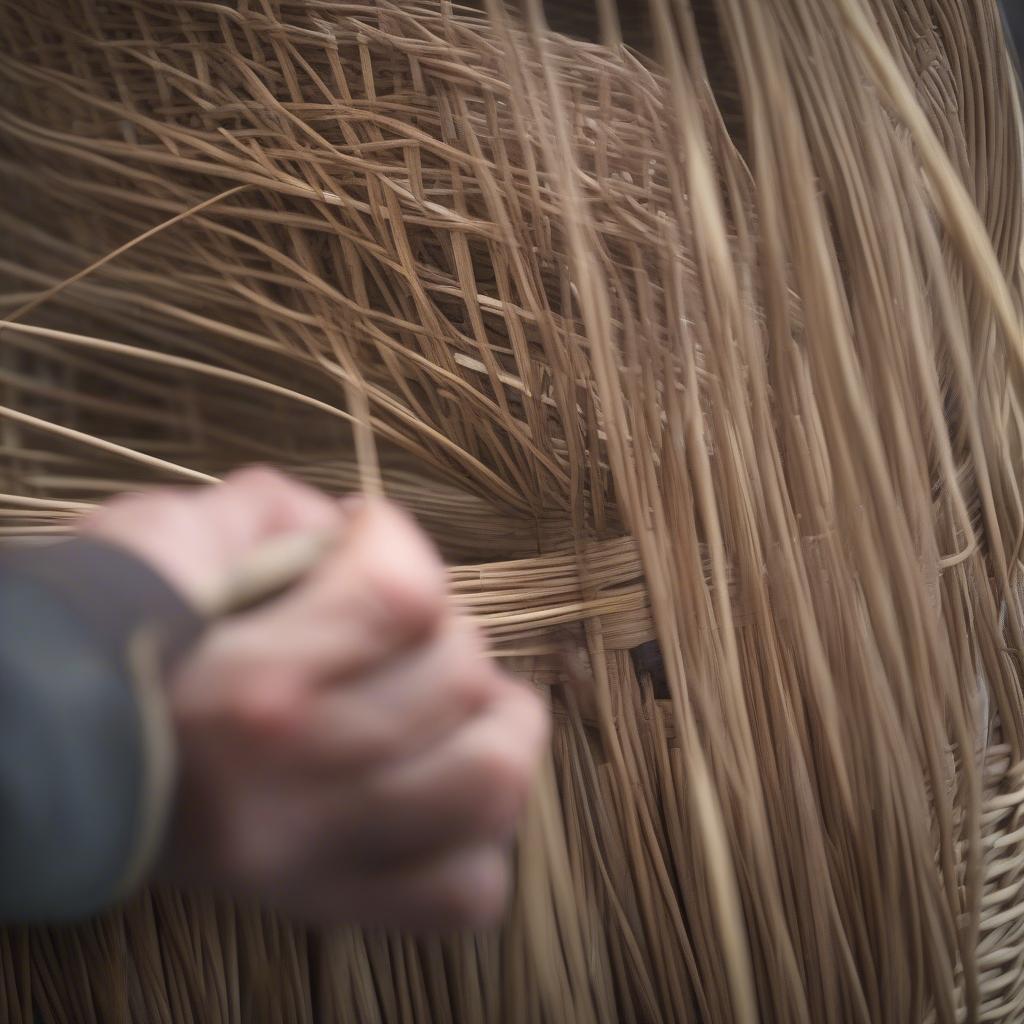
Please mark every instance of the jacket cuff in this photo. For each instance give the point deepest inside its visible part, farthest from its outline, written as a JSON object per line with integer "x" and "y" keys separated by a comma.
{"x": 99, "y": 632}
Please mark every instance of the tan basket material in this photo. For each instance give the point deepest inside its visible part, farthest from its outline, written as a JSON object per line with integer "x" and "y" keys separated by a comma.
{"x": 716, "y": 346}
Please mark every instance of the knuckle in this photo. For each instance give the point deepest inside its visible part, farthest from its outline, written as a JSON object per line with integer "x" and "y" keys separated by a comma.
{"x": 476, "y": 896}
{"x": 504, "y": 781}
{"x": 156, "y": 510}
{"x": 407, "y": 583}
{"x": 270, "y": 484}
{"x": 469, "y": 691}
{"x": 468, "y": 676}
{"x": 379, "y": 742}
{"x": 267, "y": 705}
{"x": 504, "y": 771}
{"x": 259, "y": 501}
{"x": 469, "y": 686}
{"x": 256, "y": 477}
{"x": 169, "y": 516}
{"x": 468, "y": 638}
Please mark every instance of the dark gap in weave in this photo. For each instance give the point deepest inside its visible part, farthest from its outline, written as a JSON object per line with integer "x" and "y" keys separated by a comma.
{"x": 579, "y": 18}
{"x": 720, "y": 70}
{"x": 648, "y": 661}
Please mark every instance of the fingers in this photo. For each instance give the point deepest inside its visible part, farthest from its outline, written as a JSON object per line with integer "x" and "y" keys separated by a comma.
{"x": 381, "y": 593}
{"x": 411, "y": 704}
{"x": 388, "y": 582}
{"x": 194, "y": 537}
{"x": 377, "y": 603}
{"x": 252, "y": 505}
{"x": 470, "y": 788}
{"x": 348, "y": 750}
{"x": 466, "y": 888}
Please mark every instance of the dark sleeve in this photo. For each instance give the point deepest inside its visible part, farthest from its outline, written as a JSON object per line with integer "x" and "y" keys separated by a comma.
{"x": 87, "y": 633}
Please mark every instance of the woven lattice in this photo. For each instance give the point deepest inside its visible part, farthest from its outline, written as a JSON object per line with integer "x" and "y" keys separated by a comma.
{"x": 716, "y": 344}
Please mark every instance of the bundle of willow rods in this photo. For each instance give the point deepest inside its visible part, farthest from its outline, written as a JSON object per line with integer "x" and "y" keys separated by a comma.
{"x": 715, "y": 344}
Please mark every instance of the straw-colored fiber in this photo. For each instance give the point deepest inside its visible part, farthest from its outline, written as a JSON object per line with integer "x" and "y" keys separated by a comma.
{"x": 712, "y": 337}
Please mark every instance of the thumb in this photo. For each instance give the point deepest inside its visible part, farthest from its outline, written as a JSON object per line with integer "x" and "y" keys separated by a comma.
{"x": 200, "y": 540}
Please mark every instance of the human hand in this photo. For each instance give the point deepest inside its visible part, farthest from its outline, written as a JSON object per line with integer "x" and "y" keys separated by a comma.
{"x": 347, "y": 751}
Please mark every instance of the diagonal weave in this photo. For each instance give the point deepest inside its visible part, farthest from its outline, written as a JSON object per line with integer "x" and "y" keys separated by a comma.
{"x": 717, "y": 345}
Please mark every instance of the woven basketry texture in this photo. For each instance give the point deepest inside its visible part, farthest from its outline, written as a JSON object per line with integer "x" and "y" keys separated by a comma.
{"x": 713, "y": 344}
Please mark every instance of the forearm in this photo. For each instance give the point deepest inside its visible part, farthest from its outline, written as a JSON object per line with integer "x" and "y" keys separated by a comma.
{"x": 346, "y": 750}
{"x": 86, "y": 631}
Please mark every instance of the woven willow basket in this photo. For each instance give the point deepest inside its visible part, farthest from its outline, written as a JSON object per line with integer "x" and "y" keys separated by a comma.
{"x": 700, "y": 357}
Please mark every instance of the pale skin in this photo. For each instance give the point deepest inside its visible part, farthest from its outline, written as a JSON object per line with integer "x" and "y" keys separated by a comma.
{"x": 348, "y": 751}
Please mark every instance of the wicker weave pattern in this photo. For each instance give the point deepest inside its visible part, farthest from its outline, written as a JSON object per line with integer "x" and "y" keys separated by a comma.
{"x": 724, "y": 354}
